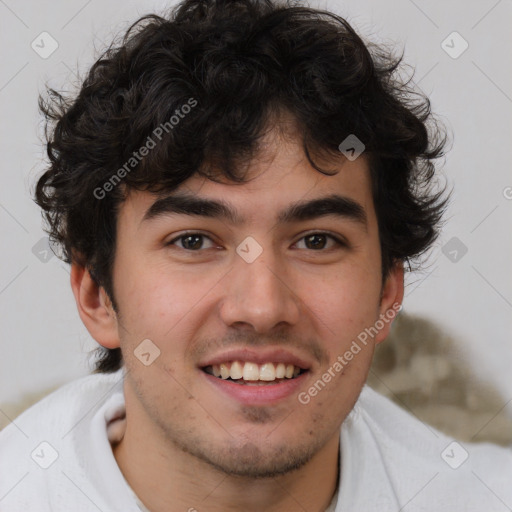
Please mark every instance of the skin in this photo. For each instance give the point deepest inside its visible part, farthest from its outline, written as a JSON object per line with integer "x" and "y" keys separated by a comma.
{"x": 186, "y": 444}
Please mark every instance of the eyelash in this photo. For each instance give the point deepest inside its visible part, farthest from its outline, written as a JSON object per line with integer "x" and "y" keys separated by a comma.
{"x": 338, "y": 241}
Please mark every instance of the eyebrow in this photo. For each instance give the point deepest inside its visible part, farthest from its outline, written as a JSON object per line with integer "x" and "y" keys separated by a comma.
{"x": 186, "y": 204}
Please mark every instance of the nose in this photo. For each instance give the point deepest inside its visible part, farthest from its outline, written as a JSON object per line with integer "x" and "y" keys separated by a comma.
{"x": 260, "y": 295}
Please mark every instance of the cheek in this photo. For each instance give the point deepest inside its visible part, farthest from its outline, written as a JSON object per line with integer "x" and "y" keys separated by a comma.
{"x": 343, "y": 304}
{"x": 154, "y": 299}
{"x": 167, "y": 308}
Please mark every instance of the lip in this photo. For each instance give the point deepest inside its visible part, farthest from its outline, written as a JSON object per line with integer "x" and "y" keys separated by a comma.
{"x": 261, "y": 356}
{"x": 266, "y": 394}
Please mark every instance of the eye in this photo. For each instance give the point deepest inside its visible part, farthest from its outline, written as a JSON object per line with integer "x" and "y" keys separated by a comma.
{"x": 320, "y": 241}
{"x": 192, "y": 241}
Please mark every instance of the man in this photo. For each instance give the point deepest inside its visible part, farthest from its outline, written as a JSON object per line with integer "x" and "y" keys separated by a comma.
{"x": 237, "y": 188}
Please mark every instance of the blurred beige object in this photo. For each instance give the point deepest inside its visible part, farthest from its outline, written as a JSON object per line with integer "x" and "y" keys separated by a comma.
{"x": 421, "y": 368}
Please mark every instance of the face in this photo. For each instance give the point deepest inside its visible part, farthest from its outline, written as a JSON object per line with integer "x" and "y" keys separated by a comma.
{"x": 264, "y": 290}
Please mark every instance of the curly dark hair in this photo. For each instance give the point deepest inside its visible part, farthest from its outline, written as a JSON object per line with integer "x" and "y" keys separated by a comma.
{"x": 232, "y": 66}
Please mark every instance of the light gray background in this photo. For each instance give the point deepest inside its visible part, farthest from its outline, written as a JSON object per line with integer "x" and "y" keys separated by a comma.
{"x": 43, "y": 341}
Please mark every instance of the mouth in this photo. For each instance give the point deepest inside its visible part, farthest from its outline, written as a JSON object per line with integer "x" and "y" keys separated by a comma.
{"x": 263, "y": 377}
{"x": 250, "y": 373}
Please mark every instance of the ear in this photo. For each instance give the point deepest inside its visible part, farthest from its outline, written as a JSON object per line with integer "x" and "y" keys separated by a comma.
{"x": 391, "y": 300}
{"x": 94, "y": 307}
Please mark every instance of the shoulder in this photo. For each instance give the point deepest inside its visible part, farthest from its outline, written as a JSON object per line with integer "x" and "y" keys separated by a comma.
{"x": 50, "y": 444}
{"x": 416, "y": 457}
{"x": 63, "y": 406}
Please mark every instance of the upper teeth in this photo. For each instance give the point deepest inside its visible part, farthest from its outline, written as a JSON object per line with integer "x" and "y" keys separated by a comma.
{"x": 252, "y": 371}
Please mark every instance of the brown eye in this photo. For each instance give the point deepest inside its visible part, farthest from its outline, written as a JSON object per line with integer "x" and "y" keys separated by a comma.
{"x": 315, "y": 241}
{"x": 191, "y": 241}
{"x": 319, "y": 241}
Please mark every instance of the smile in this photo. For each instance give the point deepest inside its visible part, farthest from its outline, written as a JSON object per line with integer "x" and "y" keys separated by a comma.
{"x": 247, "y": 372}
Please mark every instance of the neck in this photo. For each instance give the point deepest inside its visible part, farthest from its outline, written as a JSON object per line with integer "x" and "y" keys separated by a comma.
{"x": 165, "y": 478}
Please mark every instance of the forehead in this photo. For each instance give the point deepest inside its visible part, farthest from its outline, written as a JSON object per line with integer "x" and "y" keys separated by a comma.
{"x": 278, "y": 176}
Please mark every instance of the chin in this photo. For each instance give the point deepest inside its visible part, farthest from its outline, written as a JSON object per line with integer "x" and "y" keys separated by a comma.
{"x": 252, "y": 461}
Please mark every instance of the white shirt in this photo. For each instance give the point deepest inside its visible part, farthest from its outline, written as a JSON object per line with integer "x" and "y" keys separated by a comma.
{"x": 57, "y": 457}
